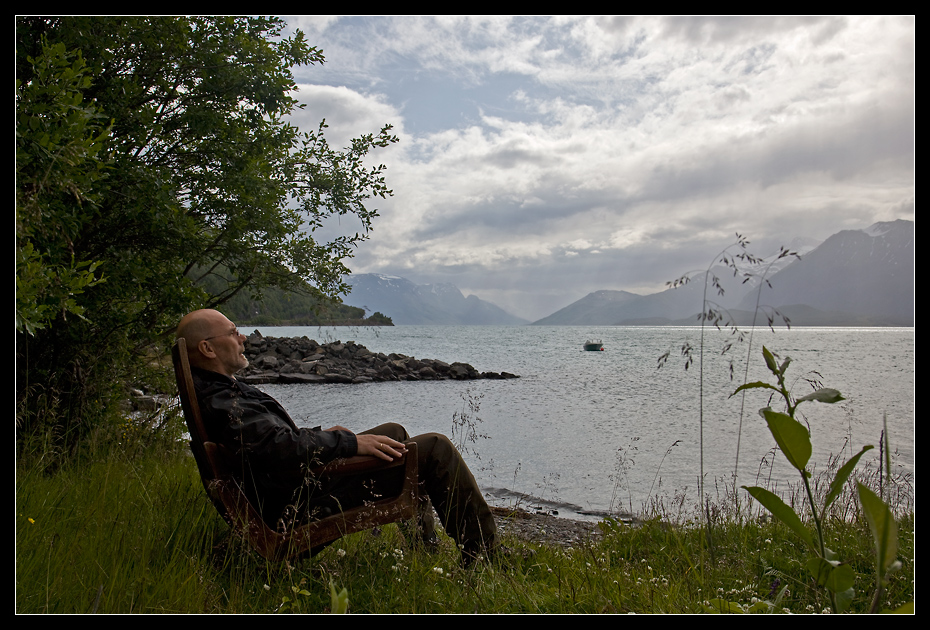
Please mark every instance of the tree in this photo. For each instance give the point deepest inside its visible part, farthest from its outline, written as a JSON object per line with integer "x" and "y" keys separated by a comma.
{"x": 153, "y": 153}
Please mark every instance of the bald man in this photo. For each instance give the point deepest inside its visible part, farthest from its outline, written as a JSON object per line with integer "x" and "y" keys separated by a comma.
{"x": 275, "y": 454}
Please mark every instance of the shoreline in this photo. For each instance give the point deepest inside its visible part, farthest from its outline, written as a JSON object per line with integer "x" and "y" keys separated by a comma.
{"x": 544, "y": 528}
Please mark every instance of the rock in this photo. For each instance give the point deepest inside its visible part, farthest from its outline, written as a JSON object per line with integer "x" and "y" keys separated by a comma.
{"x": 303, "y": 360}
{"x": 333, "y": 377}
{"x": 266, "y": 362}
{"x": 301, "y": 378}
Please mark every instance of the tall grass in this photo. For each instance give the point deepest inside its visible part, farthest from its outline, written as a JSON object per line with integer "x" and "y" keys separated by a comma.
{"x": 112, "y": 532}
{"x": 128, "y": 528}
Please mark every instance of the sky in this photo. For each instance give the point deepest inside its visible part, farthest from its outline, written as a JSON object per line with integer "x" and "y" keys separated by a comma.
{"x": 543, "y": 158}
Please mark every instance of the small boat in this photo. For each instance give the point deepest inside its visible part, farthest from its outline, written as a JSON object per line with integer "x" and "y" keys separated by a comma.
{"x": 593, "y": 344}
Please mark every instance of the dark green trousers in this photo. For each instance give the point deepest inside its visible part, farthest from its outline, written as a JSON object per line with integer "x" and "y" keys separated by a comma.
{"x": 444, "y": 478}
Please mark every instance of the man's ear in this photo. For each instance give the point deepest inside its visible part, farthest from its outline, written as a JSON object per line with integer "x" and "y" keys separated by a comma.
{"x": 206, "y": 349}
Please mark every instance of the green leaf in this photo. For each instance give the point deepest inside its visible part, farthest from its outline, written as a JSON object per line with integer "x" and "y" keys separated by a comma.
{"x": 825, "y": 395}
{"x": 791, "y": 436}
{"x": 784, "y": 365}
{"x": 781, "y": 510}
{"x": 884, "y": 528}
{"x": 838, "y": 578}
{"x": 844, "y": 599}
{"x": 819, "y": 568}
{"x": 842, "y": 578}
{"x": 722, "y": 606}
{"x": 905, "y": 609}
{"x": 841, "y": 476}
{"x": 754, "y": 385}
{"x": 770, "y": 361}
{"x": 339, "y": 602}
{"x": 760, "y": 607}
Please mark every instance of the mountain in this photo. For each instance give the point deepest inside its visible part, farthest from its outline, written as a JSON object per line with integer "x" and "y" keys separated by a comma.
{"x": 863, "y": 273}
{"x": 854, "y": 278}
{"x": 408, "y": 303}
{"x": 599, "y": 308}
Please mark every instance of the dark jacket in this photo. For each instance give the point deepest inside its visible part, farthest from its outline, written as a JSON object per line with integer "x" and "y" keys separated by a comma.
{"x": 271, "y": 454}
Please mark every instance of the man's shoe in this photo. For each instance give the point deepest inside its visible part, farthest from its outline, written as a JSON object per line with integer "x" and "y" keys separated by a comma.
{"x": 421, "y": 532}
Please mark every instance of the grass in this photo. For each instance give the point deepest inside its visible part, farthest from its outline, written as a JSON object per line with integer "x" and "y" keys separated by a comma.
{"x": 124, "y": 528}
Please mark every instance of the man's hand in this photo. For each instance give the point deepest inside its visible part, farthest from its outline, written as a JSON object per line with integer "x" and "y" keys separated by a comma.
{"x": 380, "y": 446}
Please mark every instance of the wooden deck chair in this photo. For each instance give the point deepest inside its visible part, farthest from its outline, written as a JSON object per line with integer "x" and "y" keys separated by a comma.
{"x": 303, "y": 539}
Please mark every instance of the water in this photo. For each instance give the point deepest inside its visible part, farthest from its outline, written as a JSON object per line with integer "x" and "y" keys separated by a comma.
{"x": 589, "y": 433}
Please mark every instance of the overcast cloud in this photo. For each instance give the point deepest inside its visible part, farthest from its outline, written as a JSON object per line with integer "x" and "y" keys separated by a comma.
{"x": 544, "y": 158}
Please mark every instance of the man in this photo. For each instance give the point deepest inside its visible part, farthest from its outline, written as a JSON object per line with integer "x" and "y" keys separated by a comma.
{"x": 275, "y": 454}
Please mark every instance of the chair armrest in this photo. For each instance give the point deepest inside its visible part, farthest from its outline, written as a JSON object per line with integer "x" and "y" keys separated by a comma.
{"x": 357, "y": 464}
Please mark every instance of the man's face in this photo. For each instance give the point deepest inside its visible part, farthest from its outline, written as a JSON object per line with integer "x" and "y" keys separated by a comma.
{"x": 229, "y": 346}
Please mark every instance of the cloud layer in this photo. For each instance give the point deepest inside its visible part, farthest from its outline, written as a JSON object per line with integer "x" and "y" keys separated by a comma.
{"x": 544, "y": 158}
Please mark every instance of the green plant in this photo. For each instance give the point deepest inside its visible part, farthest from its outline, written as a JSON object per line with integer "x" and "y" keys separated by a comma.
{"x": 884, "y": 533}
{"x": 794, "y": 440}
{"x": 737, "y": 259}
{"x": 339, "y": 602}
{"x": 465, "y": 424}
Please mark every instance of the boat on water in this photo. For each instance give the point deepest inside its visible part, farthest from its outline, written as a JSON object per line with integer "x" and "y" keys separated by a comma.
{"x": 593, "y": 345}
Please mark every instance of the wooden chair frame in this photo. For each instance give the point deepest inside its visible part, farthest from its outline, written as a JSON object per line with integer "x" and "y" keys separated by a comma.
{"x": 305, "y": 538}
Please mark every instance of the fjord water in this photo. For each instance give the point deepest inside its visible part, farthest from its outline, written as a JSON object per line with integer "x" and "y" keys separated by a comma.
{"x": 588, "y": 433}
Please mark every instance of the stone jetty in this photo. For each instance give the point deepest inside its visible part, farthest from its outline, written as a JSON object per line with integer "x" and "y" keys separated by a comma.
{"x": 303, "y": 360}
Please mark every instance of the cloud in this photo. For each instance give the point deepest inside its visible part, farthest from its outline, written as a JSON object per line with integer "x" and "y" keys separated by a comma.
{"x": 543, "y": 157}
{"x": 348, "y": 113}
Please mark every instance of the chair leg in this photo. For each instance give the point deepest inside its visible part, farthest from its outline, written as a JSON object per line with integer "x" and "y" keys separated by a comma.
{"x": 421, "y": 531}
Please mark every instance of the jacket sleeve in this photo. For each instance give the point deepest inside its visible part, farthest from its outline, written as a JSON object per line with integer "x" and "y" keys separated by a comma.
{"x": 259, "y": 430}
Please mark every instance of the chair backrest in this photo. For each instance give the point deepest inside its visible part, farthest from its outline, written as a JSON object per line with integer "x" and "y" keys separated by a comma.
{"x": 206, "y": 462}
{"x": 182, "y": 372}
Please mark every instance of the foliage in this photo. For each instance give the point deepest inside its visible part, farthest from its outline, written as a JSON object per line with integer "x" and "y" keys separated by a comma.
{"x": 152, "y": 153}
{"x": 794, "y": 441}
{"x": 58, "y": 139}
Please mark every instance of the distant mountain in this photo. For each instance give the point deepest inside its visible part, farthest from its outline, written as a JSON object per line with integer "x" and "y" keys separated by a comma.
{"x": 408, "y": 303}
{"x": 863, "y": 273}
{"x": 854, "y": 278}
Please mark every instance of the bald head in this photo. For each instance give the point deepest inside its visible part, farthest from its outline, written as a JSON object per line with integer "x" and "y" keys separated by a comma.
{"x": 213, "y": 342}
{"x": 197, "y": 326}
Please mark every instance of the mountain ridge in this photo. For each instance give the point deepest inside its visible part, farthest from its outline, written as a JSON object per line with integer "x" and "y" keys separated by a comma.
{"x": 853, "y": 278}
{"x": 427, "y": 304}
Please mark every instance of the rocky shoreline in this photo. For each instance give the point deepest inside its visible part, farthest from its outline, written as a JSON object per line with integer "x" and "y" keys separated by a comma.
{"x": 544, "y": 528}
{"x": 303, "y": 360}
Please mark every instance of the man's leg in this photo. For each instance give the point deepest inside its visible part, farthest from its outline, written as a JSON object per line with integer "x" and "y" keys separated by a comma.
{"x": 464, "y": 513}
{"x": 452, "y": 488}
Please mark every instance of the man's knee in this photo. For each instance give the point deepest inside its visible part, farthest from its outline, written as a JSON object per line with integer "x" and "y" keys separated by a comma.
{"x": 436, "y": 451}
{"x": 392, "y": 430}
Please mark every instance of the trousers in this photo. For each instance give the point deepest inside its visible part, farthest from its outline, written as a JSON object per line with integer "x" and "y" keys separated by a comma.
{"x": 444, "y": 478}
